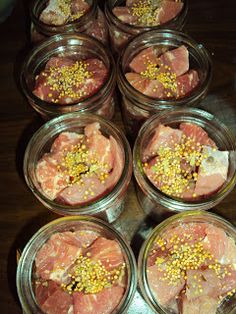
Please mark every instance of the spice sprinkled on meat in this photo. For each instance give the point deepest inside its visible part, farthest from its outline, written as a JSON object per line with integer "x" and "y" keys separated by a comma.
{"x": 84, "y": 269}
{"x": 60, "y": 12}
{"x": 162, "y": 74}
{"x": 185, "y": 162}
{"x": 182, "y": 268}
{"x": 66, "y": 81}
{"x": 147, "y": 12}
{"x": 80, "y": 168}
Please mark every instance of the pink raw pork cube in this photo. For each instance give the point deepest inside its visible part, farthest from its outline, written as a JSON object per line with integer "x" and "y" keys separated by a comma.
{"x": 103, "y": 302}
{"x": 52, "y": 299}
{"x": 177, "y": 60}
{"x": 140, "y": 62}
{"x": 54, "y": 258}
{"x": 207, "y": 282}
{"x": 221, "y": 246}
{"x": 169, "y": 10}
{"x": 186, "y": 83}
{"x": 196, "y": 133}
{"x": 203, "y": 304}
{"x": 161, "y": 289}
{"x": 108, "y": 252}
{"x": 212, "y": 172}
{"x": 164, "y": 136}
{"x": 146, "y": 86}
{"x": 125, "y": 15}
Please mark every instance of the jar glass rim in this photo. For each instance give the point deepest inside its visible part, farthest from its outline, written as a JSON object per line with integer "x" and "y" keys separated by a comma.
{"x": 133, "y": 29}
{"x": 175, "y": 204}
{"x": 97, "y": 205}
{"x": 85, "y": 104}
{"x": 147, "y": 102}
{"x": 30, "y": 246}
{"x": 192, "y": 216}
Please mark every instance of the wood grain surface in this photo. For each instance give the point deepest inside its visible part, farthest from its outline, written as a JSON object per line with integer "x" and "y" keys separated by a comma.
{"x": 209, "y": 22}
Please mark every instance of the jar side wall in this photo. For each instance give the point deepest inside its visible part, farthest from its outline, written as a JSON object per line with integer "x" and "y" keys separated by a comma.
{"x": 25, "y": 267}
{"x": 111, "y": 204}
{"x": 73, "y": 47}
{"x": 215, "y": 129}
{"x": 163, "y": 228}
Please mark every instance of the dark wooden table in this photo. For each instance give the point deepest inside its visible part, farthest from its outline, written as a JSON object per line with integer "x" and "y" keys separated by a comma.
{"x": 210, "y": 22}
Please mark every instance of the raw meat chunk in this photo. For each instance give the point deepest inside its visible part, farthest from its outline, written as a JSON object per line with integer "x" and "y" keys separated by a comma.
{"x": 220, "y": 245}
{"x": 65, "y": 81}
{"x": 164, "y": 136}
{"x": 101, "y": 303}
{"x": 55, "y": 257}
{"x": 148, "y": 13}
{"x": 192, "y": 264}
{"x": 151, "y": 88}
{"x": 162, "y": 290}
{"x": 53, "y": 299}
{"x": 92, "y": 273}
{"x": 59, "y": 12}
{"x": 50, "y": 180}
{"x": 209, "y": 282}
{"x": 186, "y": 83}
{"x": 177, "y": 60}
{"x": 125, "y": 15}
{"x": 212, "y": 172}
{"x": 169, "y": 10}
{"x": 203, "y": 304}
{"x": 178, "y": 162}
{"x": 80, "y": 168}
{"x": 163, "y": 74}
{"x": 198, "y": 134}
{"x": 140, "y": 62}
{"x": 108, "y": 252}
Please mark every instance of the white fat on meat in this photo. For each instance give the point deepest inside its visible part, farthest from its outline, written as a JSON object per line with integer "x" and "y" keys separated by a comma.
{"x": 54, "y": 14}
{"x": 212, "y": 172}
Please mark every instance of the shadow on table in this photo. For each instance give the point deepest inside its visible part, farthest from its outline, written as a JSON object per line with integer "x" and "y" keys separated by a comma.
{"x": 24, "y": 139}
{"x": 22, "y": 239}
{"x": 144, "y": 229}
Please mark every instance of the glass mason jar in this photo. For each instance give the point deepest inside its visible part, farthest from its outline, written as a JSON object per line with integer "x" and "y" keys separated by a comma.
{"x": 26, "y": 267}
{"x": 164, "y": 229}
{"x": 136, "y": 106}
{"x": 92, "y": 23}
{"x": 121, "y": 33}
{"x": 76, "y": 47}
{"x": 108, "y": 204}
{"x": 155, "y": 202}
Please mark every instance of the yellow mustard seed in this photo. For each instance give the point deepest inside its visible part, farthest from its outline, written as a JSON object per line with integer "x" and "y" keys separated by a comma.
{"x": 146, "y": 12}
{"x": 185, "y": 256}
{"x": 65, "y": 79}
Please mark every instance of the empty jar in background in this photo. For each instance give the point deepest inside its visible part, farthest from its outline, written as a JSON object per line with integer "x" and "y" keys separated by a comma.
{"x": 79, "y": 164}
{"x": 70, "y": 73}
{"x": 82, "y": 245}
{"x": 183, "y": 159}
{"x": 126, "y": 19}
{"x": 51, "y": 18}
{"x": 159, "y": 70}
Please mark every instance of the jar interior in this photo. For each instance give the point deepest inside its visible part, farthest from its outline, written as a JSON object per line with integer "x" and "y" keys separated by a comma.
{"x": 40, "y": 5}
{"x": 165, "y": 229}
{"x": 41, "y": 144}
{"x": 73, "y": 48}
{"x": 214, "y": 128}
{"x": 198, "y": 59}
{"x": 27, "y": 280}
